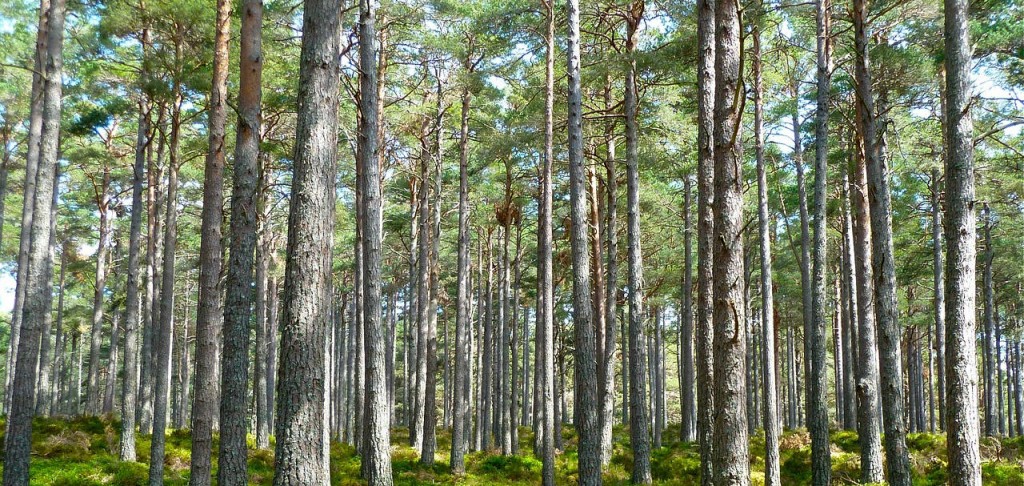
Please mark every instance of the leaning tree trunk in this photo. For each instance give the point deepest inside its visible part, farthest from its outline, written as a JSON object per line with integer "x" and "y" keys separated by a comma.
{"x": 888, "y": 331}
{"x": 37, "y": 114}
{"x": 300, "y": 411}
{"x": 238, "y": 300}
{"x": 209, "y": 318}
{"x": 38, "y": 291}
{"x": 731, "y": 463}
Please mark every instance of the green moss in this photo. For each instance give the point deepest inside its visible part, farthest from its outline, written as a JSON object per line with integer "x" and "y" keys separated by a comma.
{"x": 82, "y": 451}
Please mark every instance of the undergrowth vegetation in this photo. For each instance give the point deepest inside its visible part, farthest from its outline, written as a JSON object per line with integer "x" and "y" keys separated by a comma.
{"x": 83, "y": 452}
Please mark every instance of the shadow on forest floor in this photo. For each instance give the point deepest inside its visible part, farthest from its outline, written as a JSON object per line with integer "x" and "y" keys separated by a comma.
{"x": 83, "y": 451}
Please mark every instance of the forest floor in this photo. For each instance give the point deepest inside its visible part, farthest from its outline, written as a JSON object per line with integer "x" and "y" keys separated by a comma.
{"x": 82, "y": 451}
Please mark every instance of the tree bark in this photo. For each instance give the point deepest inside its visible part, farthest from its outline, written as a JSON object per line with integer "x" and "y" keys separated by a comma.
{"x": 162, "y": 335}
{"x": 376, "y": 445}
{"x": 94, "y": 398}
{"x": 688, "y": 412}
{"x": 239, "y": 283}
{"x": 988, "y": 345}
{"x": 130, "y": 387}
{"x": 939, "y": 298}
{"x": 869, "y": 415}
{"x": 37, "y": 114}
{"x": 545, "y": 282}
{"x": 706, "y": 80}
{"x": 638, "y": 413}
{"x": 209, "y": 318}
{"x": 299, "y": 424}
{"x": 462, "y": 318}
{"x": 960, "y": 227}
{"x": 817, "y": 407}
{"x": 770, "y": 420}
{"x": 588, "y": 426}
{"x": 731, "y": 463}
{"x": 38, "y": 291}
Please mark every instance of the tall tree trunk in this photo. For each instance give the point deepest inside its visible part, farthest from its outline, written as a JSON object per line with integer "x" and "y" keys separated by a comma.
{"x": 611, "y": 226}
{"x": 988, "y": 344}
{"x": 817, "y": 406}
{"x": 209, "y": 317}
{"x": 939, "y": 298}
{"x": 376, "y": 445}
{"x": 298, "y": 455}
{"x": 770, "y": 420}
{"x": 731, "y": 463}
{"x": 264, "y": 408}
{"x": 869, "y": 415}
{"x": 130, "y": 386}
{"x": 884, "y": 274}
{"x": 43, "y": 398}
{"x": 462, "y": 318}
{"x": 430, "y": 403}
{"x": 961, "y": 353}
{"x": 706, "y": 79}
{"x": 849, "y": 306}
{"x": 94, "y": 397}
{"x": 545, "y": 282}
{"x": 688, "y": 412}
{"x": 239, "y": 282}
{"x": 154, "y": 255}
{"x": 639, "y": 421}
{"x": 162, "y": 335}
{"x": 37, "y": 115}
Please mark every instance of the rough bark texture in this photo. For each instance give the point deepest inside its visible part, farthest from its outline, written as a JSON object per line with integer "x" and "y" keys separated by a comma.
{"x": 868, "y": 413}
{"x": 586, "y": 393}
{"x": 94, "y": 398}
{"x": 770, "y": 419}
{"x": 731, "y": 463}
{"x": 545, "y": 284}
{"x": 238, "y": 300}
{"x": 638, "y": 413}
{"x": 38, "y": 292}
{"x": 35, "y": 131}
{"x": 300, "y": 411}
{"x": 891, "y": 377}
{"x": 939, "y": 298}
{"x": 706, "y": 76}
{"x": 376, "y": 420}
{"x": 462, "y": 318}
{"x": 162, "y": 334}
{"x": 130, "y": 387}
{"x": 817, "y": 408}
{"x": 209, "y": 318}
{"x": 961, "y": 353}
{"x": 688, "y": 410}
